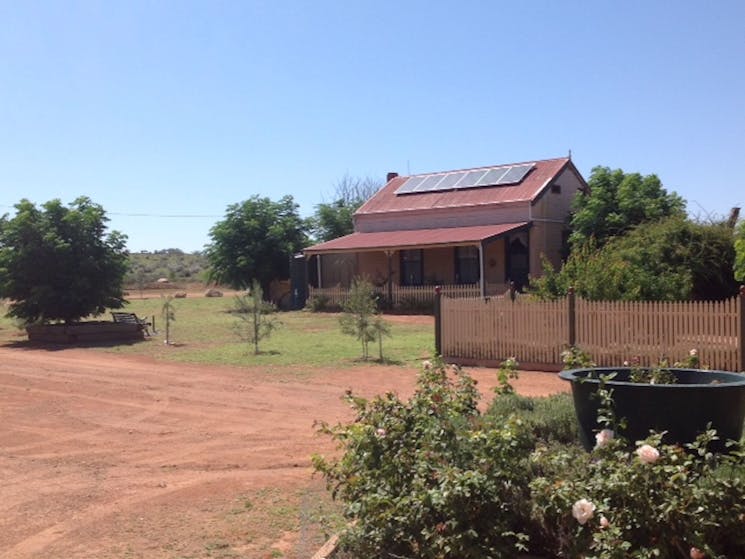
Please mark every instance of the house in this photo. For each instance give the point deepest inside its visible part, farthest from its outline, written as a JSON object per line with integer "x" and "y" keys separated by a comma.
{"x": 484, "y": 227}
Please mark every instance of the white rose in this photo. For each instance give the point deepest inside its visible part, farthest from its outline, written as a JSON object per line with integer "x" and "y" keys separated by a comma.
{"x": 426, "y": 365}
{"x": 380, "y": 432}
{"x": 648, "y": 454}
{"x": 583, "y": 510}
{"x": 693, "y": 353}
{"x": 604, "y": 523}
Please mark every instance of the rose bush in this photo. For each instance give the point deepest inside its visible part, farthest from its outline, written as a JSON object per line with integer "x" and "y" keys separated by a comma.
{"x": 432, "y": 477}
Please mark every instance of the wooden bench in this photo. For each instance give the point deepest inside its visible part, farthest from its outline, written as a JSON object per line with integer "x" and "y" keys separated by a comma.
{"x": 132, "y": 318}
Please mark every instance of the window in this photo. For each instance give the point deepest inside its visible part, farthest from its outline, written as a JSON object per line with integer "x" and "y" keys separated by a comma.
{"x": 556, "y": 188}
{"x": 411, "y": 267}
{"x": 467, "y": 265}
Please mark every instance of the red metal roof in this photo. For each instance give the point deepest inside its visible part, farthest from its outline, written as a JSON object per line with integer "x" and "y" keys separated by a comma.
{"x": 418, "y": 237}
{"x": 528, "y": 190}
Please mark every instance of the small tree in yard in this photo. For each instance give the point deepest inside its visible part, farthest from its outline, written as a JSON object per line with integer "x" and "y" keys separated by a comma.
{"x": 360, "y": 318}
{"x": 256, "y": 316}
{"x": 168, "y": 312}
{"x": 381, "y": 328}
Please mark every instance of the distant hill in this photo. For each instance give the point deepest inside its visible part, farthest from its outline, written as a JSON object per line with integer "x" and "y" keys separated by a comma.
{"x": 174, "y": 264}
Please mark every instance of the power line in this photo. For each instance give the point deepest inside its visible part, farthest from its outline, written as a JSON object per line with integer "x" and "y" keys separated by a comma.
{"x": 128, "y": 214}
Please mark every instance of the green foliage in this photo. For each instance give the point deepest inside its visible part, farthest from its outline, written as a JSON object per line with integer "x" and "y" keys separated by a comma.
{"x": 672, "y": 259}
{"x": 335, "y": 219}
{"x": 321, "y": 303}
{"x": 255, "y": 240}
{"x": 168, "y": 312}
{"x": 616, "y": 203}
{"x": 430, "y": 477}
{"x": 550, "y": 420}
{"x": 739, "y": 265}
{"x": 58, "y": 263}
{"x": 656, "y": 501}
{"x": 507, "y": 371}
{"x": 256, "y": 317}
{"x": 576, "y": 358}
{"x": 360, "y": 318}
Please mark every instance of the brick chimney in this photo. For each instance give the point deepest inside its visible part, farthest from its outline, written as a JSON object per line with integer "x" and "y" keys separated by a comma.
{"x": 390, "y": 176}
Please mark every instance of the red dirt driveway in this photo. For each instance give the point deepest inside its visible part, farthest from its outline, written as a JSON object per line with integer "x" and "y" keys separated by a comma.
{"x": 110, "y": 456}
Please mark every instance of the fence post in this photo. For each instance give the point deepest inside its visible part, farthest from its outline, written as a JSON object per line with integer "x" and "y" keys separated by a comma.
{"x": 572, "y": 317}
{"x": 742, "y": 328}
{"x": 438, "y": 320}
{"x": 513, "y": 291}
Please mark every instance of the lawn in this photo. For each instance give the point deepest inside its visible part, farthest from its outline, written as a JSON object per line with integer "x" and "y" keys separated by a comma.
{"x": 204, "y": 332}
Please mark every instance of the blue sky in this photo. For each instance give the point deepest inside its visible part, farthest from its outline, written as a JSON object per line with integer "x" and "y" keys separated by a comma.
{"x": 167, "y": 112}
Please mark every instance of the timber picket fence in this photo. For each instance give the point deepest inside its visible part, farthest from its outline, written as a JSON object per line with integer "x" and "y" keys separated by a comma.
{"x": 476, "y": 330}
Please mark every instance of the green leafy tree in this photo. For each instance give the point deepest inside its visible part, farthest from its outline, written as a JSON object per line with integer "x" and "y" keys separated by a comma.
{"x": 672, "y": 259}
{"x": 256, "y": 317}
{"x": 359, "y": 317}
{"x": 335, "y": 219}
{"x": 168, "y": 312}
{"x": 616, "y": 202}
{"x": 255, "y": 241}
{"x": 739, "y": 265}
{"x": 58, "y": 263}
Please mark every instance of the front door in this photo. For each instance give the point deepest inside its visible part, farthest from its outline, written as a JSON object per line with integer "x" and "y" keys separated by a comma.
{"x": 517, "y": 262}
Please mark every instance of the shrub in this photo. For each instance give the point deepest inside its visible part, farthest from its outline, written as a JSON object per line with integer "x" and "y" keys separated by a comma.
{"x": 549, "y": 419}
{"x": 430, "y": 477}
{"x": 655, "y": 501}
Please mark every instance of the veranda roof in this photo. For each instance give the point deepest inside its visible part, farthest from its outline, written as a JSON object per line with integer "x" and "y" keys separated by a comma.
{"x": 416, "y": 238}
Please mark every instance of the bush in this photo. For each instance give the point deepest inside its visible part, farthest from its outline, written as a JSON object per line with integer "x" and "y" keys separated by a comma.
{"x": 432, "y": 477}
{"x": 322, "y": 303}
{"x": 656, "y": 501}
{"x": 549, "y": 419}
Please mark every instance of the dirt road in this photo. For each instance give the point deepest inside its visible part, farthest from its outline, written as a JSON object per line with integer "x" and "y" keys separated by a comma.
{"x": 106, "y": 456}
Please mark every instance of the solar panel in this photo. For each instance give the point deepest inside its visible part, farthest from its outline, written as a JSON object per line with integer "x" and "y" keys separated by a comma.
{"x": 515, "y": 175}
{"x": 410, "y": 184}
{"x": 429, "y": 183}
{"x": 470, "y": 179}
{"x": 493, "y": 176}
{"x": 449, "y": 181}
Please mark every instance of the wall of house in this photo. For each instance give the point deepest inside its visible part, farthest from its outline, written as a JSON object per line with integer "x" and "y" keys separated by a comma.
{"x": 557, "y": 206}
{"x": 549, "y": 216}
{"x": 439, "y": 266}
{"x": 446, "y": 217}
{"x": 494, "y": 262}
{"x": 374, "y": 266}
{"x": 546, "y": 239}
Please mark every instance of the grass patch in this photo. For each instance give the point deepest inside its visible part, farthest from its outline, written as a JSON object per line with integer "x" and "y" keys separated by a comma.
{"x": 203, "y": 332}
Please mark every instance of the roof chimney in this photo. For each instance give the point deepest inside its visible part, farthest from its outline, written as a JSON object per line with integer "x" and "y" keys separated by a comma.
{"x": 390, "y": 176}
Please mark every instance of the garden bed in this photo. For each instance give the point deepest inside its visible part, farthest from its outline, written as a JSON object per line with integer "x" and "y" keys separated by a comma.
{"x": 91, "y": 332}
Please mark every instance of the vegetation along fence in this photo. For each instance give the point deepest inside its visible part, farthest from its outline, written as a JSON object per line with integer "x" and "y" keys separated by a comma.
{"x": 476, "y": 330}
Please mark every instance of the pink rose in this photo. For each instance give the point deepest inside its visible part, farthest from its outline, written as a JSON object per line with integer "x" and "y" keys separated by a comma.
{"x": 603, "y": 438}
{"x": 696, "y": 553}
{"x": 604, "y": 523}
{"x": 648, "y": 454}
{"x": 380, "y": 432}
